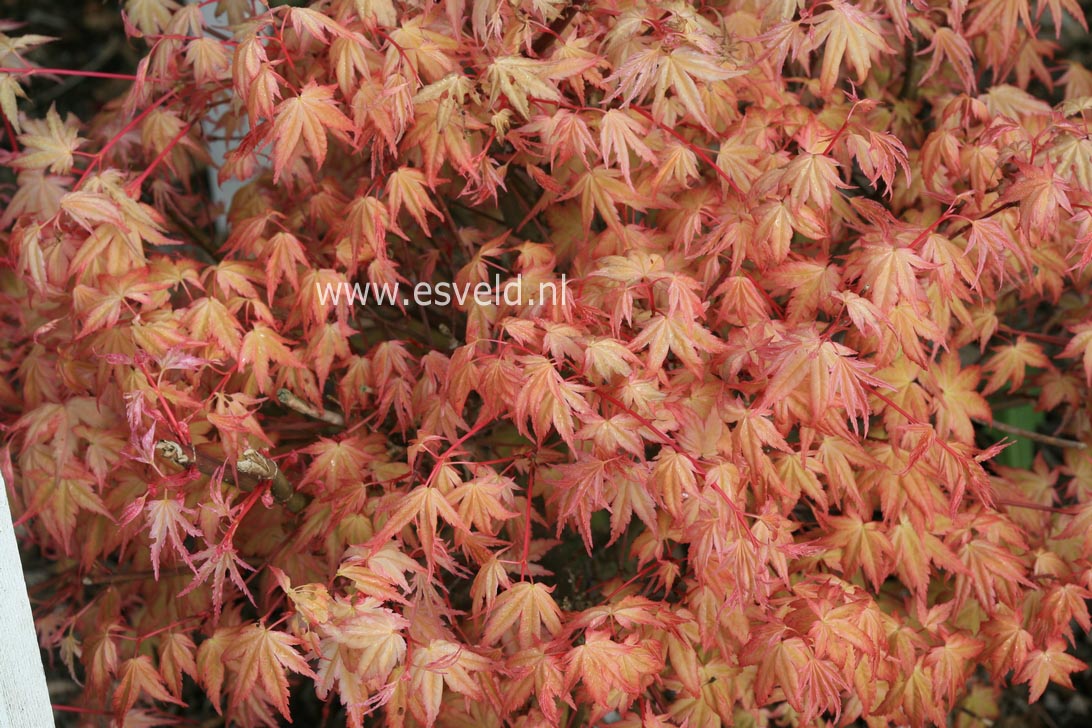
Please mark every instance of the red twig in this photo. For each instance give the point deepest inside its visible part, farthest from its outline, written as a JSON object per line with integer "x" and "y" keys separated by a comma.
{"x": 701, "y": 153}
{"x": 153, "y": 382}
{"x": 136, "y": 184}
{"x": 121, "y": 135}
{"x": 248, "y": 504}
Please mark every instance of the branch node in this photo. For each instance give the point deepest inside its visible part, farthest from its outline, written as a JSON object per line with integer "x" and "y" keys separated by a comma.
{"x": 292, "y": 402}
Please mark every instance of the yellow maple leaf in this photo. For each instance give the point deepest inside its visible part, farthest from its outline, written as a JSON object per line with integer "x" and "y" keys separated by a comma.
{"x": 49, "y": 144}
{"x": 848, "y": 33}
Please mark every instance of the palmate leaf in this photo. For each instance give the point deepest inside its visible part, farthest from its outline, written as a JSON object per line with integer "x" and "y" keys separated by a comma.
{"x": 826, "y": 373}
{"x": 372, "y": 633}
{"x": 653, "y": 69}
{"x": 307, "y": 117}
{"x": 443, "y": 663}
{"x": 620, "y": 133}
{"x": 262, "y": 346}
{"x": 1051, "y": 664}
{"x": 1009, "y": 364}
{"x": 889, "y": 273}
{"x": 49, "y": 145}
{"x": 425, "y": 506}
{"x": 176, "y": 658}
{"x": 864, "y": 546}
{"x": 337, "y": 463}
{"x": 604, "y": 665}
{"x": 137, "y": 677}
{"x": 1004, "y": 16}
{"x": 813, "y": 178}
{"x": 1041, "y": 194}
{"x": 406, "y": 188}
{"x": 10, "y": 91}
{"x": 285, "y": 253}
{"x": 601, "y": 191}
{"x": 209, "y": 320}
{"x": 169, "y": 521}
{"x": 262, "y": 657}
{"x": 520, "y": 78}
{"x": 951, "y": 46}
{"x": 526, "y": 606}
{"x": 548, "y": 400}
{"x": 952, "y": 663}
{"x": 789, "y": 662}
{"x": 68, "y": 493}
{"x": 677, "y": 335}
{"x": 847, "y": 32}
{"x": 958, "y": 401}
{"x": 1081, "y": 346}
{"x": 218, "y": 563}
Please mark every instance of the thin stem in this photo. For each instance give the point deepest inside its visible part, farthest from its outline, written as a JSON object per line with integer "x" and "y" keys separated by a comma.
{"x": 556, "y": 28}
{"x": 11, "y": 134}
{"x": 476, "y": 211}
{"x": 124, "y": 577}
{"x": 988, "y": 214}
{"x": 1064, "y": 511}
{"x": 108, "y": 51}
{"x": 648, "y": 568}
{"x": 1047, "y": 338}
{"x": 136, "y": 184}
{"x": 524, "y": 562}
{"x": 694, "y": 148}
{"x": 76, "y": 709}
{"x": 153, "y": 382}
{"x": 120, "y": 135}
{"x": 1061, "y": 442}
{"x": 248, "y": 504}
{"x": 67, "y": 72}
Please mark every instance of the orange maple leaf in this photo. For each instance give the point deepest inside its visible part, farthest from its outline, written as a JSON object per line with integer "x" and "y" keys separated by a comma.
{"x": 530, "y": 608}
{"x": 307, "y": 116}
{"x": 957, "y": 400}
{"x": 261, "y": 346}
{"x": 1053, "y": 663}
{"x": 261, "y": 657}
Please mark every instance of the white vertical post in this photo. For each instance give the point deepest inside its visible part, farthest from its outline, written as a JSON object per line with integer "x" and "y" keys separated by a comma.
{"x": 24, "y": 699}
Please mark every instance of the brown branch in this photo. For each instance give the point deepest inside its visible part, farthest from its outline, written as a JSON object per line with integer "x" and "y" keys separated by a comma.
{"x": 1048, "y": 338}
{"x": 911, "y": 69}
{"x": 1060, "y": 510}
{"x": 1045, "y": 439}
{"x": 476, "y": 211}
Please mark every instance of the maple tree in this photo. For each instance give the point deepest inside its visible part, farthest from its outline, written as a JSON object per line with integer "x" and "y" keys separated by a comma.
{"x": 768, "y": 459}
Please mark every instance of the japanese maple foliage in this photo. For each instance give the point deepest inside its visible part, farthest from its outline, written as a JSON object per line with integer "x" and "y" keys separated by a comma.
{"x": 741, "y": 471}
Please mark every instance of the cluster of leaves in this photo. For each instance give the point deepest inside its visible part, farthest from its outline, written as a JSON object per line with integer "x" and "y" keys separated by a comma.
{"x": 738, "y": 472}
